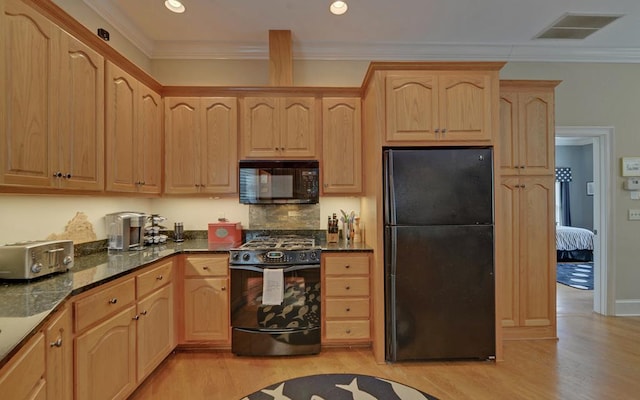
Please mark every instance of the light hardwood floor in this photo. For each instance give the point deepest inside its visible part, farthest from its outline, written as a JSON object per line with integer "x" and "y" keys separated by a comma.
{"x": 595, "y": 357}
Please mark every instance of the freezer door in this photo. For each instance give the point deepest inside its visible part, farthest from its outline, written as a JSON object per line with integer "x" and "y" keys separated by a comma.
{"x": 440, "y": 293}
{"x": 441, "y": 186}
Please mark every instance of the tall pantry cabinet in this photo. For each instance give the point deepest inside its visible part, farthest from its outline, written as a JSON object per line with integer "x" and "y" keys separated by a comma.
{"x": 527, "y": 183}
{"x": 51, "y": 106}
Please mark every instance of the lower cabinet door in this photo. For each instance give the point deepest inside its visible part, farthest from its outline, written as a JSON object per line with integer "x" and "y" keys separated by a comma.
{"x": 59, "y": 356}
{"x": 106, "y": 358}
{"x": 206, "y": 309}
{"x": 155, "y": 330}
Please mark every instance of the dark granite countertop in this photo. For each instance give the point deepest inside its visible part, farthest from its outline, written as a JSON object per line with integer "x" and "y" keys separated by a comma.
{"x": 24, "y": 306}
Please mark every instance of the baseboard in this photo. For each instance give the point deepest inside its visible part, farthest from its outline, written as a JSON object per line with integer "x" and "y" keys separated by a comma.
{"x": 627, "y": 308}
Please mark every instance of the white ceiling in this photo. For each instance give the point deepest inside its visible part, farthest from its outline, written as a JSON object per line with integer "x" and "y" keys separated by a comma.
{"x": 375, "y": 29}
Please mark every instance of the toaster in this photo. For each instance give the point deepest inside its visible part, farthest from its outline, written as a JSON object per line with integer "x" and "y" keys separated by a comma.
{"x": 29, "y": 260}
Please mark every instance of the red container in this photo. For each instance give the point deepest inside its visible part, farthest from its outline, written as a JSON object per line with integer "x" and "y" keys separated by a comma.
{"x": 225, "y": 232}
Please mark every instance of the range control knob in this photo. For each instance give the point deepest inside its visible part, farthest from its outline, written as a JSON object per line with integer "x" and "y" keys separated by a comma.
{"x": 67, "y": 260}
{"x": 314, "y": 255}
{"x": 303, "y": 256}
{"x": 36, "y": 267}
{"x": 235, "y": 256}
{"x": 246, "y": 256}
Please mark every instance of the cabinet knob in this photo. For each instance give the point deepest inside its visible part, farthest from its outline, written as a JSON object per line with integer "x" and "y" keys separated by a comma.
{"x": 348, "y": 287}
{"x": 437, "y": 130}
{"x": 113, "y": 301}
{"x": 444, "y": 130}
{"x": 206, "y": 267}
{"x": 57, "y": 174}
{"x": 348, "y": 309}
{"x": 223, "y": 288}
{"x": 137, "y": 317}
{"x": 144, "y": 312}
{"x": 347, "y": 266}
{"x": 348, "y": 331}
{"x": 57, "y": 343}
{"x": 159, "y": 277}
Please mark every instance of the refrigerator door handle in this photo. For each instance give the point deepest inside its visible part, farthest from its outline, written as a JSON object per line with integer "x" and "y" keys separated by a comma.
{"x": 390, "y": 203}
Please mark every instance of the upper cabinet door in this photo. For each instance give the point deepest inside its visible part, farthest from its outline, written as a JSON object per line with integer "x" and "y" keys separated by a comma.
{"x": 465, "y": 107}
{"x": 219, "y": 122}
{"x": 298, "y": 127}
{"x": 260, "y": 129}
{"x": 182, "y": 145}
{"x": 412, "y": 106}
{"x": 121, "y": 108}
{"x": 26, "y": 94}
{"x": 342, "y": 145}
{"x": 80, "y": 109}
{"x": 149, "y": 143}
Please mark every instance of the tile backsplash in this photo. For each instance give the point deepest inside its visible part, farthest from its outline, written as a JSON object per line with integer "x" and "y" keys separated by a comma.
{"x": 285, "y": 216}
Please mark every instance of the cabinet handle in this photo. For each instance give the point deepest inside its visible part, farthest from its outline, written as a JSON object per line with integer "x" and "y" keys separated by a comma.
{"x": 113, "y": 301}
{"x": 57, "y": 343}
{"x": 347, "y": 266}
{"x": 206, "y": 267}
{"x": 137, "y": 317}
{"x": 159, "y": 277}
{"x": 144, "y": 312}
{"x": 223, "y": 288}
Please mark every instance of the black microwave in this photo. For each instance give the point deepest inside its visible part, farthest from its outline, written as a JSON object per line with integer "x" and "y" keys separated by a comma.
{"x": 279, "y": 182}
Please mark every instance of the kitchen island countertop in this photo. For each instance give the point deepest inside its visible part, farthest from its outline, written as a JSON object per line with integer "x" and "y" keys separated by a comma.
{"x": 25, "y": 305}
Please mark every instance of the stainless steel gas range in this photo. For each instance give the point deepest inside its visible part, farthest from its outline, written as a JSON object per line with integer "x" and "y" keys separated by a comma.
{"x": 275, "y": 297}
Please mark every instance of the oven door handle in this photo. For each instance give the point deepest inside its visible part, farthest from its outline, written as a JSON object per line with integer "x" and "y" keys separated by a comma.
{"x": 285, "y": 270}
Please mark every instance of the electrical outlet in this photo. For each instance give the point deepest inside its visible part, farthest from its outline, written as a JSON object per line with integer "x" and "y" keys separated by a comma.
{"x": 634, "y": 215}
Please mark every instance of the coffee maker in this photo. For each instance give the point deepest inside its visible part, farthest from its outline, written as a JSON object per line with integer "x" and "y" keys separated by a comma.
{"x": 125, "y": 230}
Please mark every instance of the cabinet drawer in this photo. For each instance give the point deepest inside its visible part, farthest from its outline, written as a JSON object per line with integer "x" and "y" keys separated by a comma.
{"x": 103, "y": 303}
{"x": 352, "y": 286}
{"x": 347, "y": 329}
{"x": 347, "y": 308}
{"x": 206, "y": 266}
{"x": 23, "y": 376}
{"x": 154, "y": 278}
{"x": 346, "y": 265}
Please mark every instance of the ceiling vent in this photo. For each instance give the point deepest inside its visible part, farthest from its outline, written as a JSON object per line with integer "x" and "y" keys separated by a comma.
{"x": 576, "y": 26}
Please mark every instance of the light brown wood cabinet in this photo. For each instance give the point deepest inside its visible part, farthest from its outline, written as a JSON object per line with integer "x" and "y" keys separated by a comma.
{"x": 346, "y": 299}
{"x": 23, "y": 377}
{"x": 527, "y": 127}
{"x": 279, "y": 127}
{"x": 527, "y": 281}
{"x": 341, "y": 145}
{"x": 105, "y": 342}
{"x": 59, "y": 355}
{"x": 206, "y": 299}
{"x": 526, "y": 220}
{"x": 201, "y": 145}
{"x": 134, "y": 134}
{"x": 156, "y": 338}
{"x": 52, "y": 105}
{"x": 427, "y": 106}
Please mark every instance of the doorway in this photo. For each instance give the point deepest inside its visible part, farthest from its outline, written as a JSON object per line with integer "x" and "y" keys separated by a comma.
{"x": 601, "y": 139}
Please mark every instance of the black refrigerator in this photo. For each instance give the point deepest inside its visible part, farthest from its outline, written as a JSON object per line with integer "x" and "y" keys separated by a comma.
{"x": 439, "y": 254}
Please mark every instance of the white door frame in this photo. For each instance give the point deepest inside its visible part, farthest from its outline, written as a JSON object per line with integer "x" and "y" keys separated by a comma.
{"x": 603, "y": 203}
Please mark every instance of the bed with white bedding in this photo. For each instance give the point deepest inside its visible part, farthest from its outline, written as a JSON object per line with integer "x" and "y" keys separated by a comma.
{"x": 574, "y": 244}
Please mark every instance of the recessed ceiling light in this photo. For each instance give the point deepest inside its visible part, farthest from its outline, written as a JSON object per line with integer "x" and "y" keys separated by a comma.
{"x": 174, "y": 5}
{"x": 338, "y": 7}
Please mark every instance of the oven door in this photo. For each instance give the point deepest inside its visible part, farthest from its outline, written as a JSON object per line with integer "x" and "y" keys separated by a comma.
{"x": 292, "y": 327}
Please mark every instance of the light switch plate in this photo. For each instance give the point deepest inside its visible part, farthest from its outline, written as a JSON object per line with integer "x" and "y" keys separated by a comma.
{"x": 634, "y": 215}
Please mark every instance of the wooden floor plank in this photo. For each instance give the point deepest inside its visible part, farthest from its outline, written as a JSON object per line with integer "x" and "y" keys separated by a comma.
{"x": 596, "y": 357}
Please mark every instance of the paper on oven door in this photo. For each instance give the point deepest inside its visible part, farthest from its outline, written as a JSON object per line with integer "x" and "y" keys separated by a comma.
{"x": 272, "y": 286}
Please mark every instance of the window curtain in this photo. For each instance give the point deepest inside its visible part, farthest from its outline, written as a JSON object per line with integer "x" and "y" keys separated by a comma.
{"x": 563, "y": 175}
